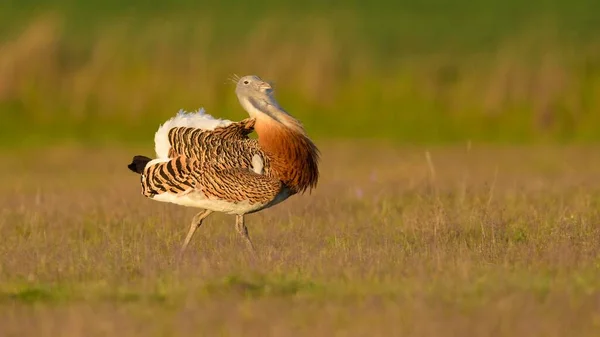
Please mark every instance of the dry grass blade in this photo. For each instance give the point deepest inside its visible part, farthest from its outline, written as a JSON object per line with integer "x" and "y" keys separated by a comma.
{"x": 373, "y": 247}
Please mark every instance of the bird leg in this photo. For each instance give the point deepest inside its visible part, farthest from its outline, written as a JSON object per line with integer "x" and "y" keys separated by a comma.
{"x": 196, "y": 223}
{"x": 243, "y": 230}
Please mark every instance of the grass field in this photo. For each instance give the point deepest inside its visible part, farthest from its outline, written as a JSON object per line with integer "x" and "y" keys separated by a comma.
{"x": 428, "y": 71}
{"x": 416, "y": 229}
{"x": 475, "y": 241}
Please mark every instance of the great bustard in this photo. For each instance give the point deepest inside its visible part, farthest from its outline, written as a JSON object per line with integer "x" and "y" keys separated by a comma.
{"x": 212, "y": 164}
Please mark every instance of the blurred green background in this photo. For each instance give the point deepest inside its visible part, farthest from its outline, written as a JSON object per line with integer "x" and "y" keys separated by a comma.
{"x": 427, "y": 71}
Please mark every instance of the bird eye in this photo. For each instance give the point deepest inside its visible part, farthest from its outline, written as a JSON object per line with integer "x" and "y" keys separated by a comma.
{"x": 245, "y": 82}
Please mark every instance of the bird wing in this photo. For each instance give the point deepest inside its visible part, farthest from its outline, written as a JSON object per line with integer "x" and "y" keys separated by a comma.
{"x": 203, "y": 160}
{"x": 183, "y": 175}
{"x": 209, "y": 140}
{"x": 182, "y": 133}
{"x": 201, "y": 143}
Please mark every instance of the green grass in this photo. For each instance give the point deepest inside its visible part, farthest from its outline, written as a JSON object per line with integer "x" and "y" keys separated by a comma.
{"x": 422, "y": 72}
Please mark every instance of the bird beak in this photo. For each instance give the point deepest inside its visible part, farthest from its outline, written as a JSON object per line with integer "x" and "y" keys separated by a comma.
{"x": 264, "y": 86}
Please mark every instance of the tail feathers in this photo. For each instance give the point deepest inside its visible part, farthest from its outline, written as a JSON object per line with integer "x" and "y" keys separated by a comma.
{"x": 138, "y": 164}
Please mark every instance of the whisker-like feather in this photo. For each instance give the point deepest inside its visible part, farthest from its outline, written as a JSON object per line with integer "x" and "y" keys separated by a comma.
{"x": 234, "y": 78}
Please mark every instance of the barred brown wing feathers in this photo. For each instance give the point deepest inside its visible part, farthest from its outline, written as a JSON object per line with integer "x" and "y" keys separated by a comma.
{"x": 183, "y": 175}
{"x": 198, "y": 143}
{"x": 238, "y": 185}
{"x": 226, "y": 147}
{"x": 174, "y": 176}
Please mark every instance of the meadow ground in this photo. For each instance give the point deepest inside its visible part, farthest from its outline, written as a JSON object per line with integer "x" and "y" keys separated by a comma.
{"x": 476, "y": 241}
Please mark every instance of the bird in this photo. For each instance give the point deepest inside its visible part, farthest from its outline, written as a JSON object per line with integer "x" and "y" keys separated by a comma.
{"x": 213, "y": 165}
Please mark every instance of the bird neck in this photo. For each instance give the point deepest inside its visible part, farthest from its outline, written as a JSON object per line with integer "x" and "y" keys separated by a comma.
{"x": 293, "y": 156}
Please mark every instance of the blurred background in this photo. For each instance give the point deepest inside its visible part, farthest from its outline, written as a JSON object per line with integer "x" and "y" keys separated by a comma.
{"x": 427, "y": 71}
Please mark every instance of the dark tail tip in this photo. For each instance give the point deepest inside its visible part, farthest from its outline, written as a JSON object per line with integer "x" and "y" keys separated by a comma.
{"x": 138, "y": 163}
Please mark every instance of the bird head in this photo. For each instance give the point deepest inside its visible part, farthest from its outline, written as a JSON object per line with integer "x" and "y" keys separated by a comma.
{"x": 253, "y": 84}
{"x": 255, "y": 96}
